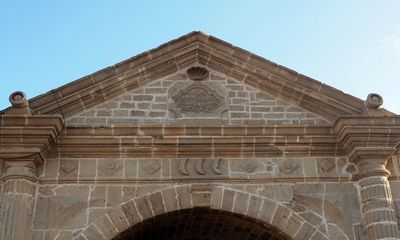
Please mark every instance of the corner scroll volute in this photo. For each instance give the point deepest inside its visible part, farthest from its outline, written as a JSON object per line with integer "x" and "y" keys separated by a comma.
{"x": 372, "y": 106}
{"x": 19, "y": 104}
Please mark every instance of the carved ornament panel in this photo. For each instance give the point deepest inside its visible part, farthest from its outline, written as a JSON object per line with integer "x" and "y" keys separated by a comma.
{"x": 197, "y": 100}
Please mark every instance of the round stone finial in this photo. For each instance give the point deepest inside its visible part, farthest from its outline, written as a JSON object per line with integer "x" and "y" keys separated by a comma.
{"x": 18, "y": 99}
{"x": 374, "y": 101}
{"x": 197, "y": 73}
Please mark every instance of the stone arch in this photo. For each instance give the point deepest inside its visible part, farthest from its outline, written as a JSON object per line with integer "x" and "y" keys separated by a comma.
{"x": 274, "y": 215}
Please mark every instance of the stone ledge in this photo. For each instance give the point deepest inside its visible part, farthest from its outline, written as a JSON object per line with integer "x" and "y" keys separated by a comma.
{"x": 368, "y": 137}
{"x": 197, "y": 130}
{"x": 27, "y": 135}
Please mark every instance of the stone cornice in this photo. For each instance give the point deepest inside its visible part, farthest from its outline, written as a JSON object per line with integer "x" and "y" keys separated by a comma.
{"x": 27, "y": 136}
{"x": 196, "y": 141}
{"x": 198, "y": 48}
{"x": 368, "y": 141}
{"x": 360, "y": 133}
{"x": 353, "y": 136}
{"x": 356, "y": 137}
{"x": 277, "y": 80}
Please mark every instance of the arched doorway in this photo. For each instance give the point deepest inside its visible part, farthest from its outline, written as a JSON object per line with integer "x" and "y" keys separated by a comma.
{"x": 199, "y": 223}
{"x": 190, "y": 212}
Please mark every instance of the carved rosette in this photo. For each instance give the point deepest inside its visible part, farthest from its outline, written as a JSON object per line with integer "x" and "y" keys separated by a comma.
{"x": 68, "y": 166}
{"x": 288, "y": 166}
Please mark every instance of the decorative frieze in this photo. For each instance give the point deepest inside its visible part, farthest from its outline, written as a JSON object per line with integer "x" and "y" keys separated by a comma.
{"x": 182, "y": 169}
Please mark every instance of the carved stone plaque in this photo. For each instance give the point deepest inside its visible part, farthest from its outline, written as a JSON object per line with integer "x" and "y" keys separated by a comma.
{"x": 197, "y": 99}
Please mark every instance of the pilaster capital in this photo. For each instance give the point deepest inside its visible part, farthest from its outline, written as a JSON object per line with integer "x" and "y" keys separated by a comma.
{"x": 24, "y": 137}
{"x": 20, "y": 169}
{"x": 371, "y": 161}
{"x": 368, "y": 141}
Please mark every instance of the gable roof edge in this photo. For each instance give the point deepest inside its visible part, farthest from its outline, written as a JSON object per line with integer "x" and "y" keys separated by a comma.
{"x": 179, "y": 53}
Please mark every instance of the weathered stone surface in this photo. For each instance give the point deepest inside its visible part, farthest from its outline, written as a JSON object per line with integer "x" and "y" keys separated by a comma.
{"x": 240, "y": 103}
{"x": 254, "y": 206}
{"x": 144, "y": 207}
{"x": 118, "y": 219}
{"x": 93, "y": 233}
{"x": 17, "y": 210}
{"x": 69, "y": 202}
{"x": 237, "y": 147}
{"x": 106, "y": 227}
{"x": 131, "y": 212}
{"x": 268, "y": 210}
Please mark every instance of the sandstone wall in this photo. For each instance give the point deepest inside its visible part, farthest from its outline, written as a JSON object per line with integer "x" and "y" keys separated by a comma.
{"x": 63, "y": 210}
{"x": 1, "y": 182}
{"x": 394, "y": 168}
{"x": 240, "y": 104}
{"x": 78, "y": 191}
{"x": 199, "y": 139}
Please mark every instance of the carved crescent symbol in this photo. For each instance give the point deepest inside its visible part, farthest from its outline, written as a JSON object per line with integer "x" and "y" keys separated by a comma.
{"x": 199, "y": 167}
{"x": 182, "y": 167}
{"x": 215, "y": 166}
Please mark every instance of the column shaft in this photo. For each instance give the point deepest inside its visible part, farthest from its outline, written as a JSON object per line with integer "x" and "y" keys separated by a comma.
{"x": 377, "y": 208}
{"x": 16, "y": 209}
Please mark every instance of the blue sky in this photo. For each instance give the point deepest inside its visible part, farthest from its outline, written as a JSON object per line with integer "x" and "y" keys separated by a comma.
{"x": 351, "y": 45}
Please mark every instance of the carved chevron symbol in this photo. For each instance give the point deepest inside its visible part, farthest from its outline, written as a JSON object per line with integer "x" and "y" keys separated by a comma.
{"x": 110, "y": 169}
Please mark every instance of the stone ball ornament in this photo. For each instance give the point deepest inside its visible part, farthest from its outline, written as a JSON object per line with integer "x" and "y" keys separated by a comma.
{"x": 374, "y": 101}
{"x": 197, "y": 73}
{"x": 18, "y": 99}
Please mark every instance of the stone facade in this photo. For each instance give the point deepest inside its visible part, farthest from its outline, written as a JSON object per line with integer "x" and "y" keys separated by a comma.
{"x": 198, "y": 139}
{"x": 154, "y": 104}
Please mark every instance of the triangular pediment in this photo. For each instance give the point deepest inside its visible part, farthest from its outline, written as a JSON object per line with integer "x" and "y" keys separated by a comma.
{"x": 286, "y": 87}
{"x": 177, "y": 98}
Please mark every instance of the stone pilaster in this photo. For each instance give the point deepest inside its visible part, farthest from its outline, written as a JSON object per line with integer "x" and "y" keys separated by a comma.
{"x": 17, "y": 200}
{"x": 23, "y": 140}
{"x": 379, "y": 218}
{"x": 369, "y": 140}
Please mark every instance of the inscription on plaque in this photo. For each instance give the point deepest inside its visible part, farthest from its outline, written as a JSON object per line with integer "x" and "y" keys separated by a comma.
{"x": 197, "y": 99}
